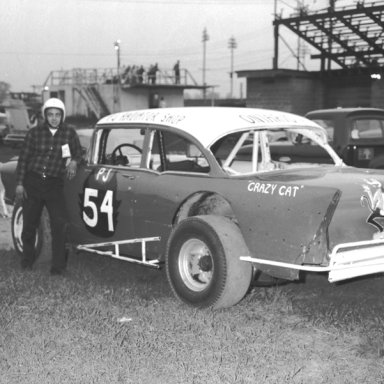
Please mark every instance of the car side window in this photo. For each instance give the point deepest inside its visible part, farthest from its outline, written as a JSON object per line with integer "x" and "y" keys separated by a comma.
{"x": 172, "y": 152}
{"x": 298, "y": 148}
{"x": 123, "y": 147}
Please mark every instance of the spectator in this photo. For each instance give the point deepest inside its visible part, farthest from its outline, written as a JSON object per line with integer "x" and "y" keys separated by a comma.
{"x": 152, "y": 74}
{"x": 140, "y": 74}
{"x": 176, "y": 69}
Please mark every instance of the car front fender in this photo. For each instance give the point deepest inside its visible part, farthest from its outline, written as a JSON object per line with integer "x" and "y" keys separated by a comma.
{"x": 8, "y": 176}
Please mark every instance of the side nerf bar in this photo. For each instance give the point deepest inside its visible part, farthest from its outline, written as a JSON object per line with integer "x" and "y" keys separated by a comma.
{"x": 347, "y": 261}
{"x": 115, "y": 253}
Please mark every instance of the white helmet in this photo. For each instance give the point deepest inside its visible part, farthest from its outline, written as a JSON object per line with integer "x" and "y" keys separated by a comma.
{"x": 54, "y": 103}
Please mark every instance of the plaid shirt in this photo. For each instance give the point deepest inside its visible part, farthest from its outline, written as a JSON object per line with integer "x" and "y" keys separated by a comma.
{"x": 42, "y": 152}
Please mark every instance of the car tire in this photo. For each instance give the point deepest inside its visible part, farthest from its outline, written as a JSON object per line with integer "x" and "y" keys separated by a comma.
{"x": 43, "y": 245}
{"x": 203, "y": 263}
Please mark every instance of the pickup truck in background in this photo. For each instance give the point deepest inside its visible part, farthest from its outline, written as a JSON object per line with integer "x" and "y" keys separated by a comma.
{"x": 16, "y": 121}
{"x": 356, "y": 134}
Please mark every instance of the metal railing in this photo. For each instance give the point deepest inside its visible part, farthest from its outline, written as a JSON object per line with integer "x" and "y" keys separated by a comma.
{"x": 92, "y": 76}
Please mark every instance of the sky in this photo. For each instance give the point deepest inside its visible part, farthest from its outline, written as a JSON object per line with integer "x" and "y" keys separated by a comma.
{"x": 39, "y": 36}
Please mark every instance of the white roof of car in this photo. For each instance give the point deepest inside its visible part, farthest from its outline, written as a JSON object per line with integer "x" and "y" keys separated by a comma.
{"x": 208, "y": 124}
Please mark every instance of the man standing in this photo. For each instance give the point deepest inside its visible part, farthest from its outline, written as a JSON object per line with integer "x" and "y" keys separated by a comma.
{"x": 152, "y": 71}
{"x": 176, "y": 69}
{"x": 50, "y": 153}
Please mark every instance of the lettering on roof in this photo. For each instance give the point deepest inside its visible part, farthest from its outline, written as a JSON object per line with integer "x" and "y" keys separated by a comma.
{"x": 269, "y": 118}
{"x": 146, "y": 117}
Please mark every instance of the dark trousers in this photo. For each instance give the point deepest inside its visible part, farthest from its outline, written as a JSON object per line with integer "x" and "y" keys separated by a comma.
{"x": 44, "y": 192}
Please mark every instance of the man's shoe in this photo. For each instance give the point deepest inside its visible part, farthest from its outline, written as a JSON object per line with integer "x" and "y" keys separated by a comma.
{"x": 26, "y": 266}
{"x": 57, "y": 272}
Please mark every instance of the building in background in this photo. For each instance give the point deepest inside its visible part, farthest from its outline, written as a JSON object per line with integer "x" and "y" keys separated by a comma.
{"x": 95, "y": 93}
{"x": 351, "y": 53}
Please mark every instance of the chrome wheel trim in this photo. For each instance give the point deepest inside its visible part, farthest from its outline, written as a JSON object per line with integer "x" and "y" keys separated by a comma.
{"x": 190, "y": 257}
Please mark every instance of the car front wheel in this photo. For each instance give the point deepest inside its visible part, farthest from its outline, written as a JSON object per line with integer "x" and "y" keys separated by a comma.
{"x": 203, "y": 265}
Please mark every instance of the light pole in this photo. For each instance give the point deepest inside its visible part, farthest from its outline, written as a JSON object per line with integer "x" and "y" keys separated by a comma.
{"x": 204, "y": 40}
{"x": 117, "y": 49}
{"x": 232, "y": 45}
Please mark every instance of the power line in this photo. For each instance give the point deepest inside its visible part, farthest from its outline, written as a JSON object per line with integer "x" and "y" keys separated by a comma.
{"x": 187, "y": 2}
{"x": 26, "y": 53}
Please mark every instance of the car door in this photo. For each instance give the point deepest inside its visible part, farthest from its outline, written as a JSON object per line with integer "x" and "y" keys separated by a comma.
{"x": 175, "y": 169}
{"x": 99, "y": 199}
{"x": 93, "y": 204}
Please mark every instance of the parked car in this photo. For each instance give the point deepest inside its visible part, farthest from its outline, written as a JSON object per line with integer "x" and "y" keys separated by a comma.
{"x": 4, "y": 129}
{"x": 85, "y": 136}
{"x": 356, "y": 134}
{"x": 210, "y": 194}
{"x": 18, "y": 124}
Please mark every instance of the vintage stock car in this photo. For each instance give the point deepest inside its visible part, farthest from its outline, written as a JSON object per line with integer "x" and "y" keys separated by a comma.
{"x": 217, "y": 195}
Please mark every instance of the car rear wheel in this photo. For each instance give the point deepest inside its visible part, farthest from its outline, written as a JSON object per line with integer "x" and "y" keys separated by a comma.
{"x": 203, "y": 265}
{"x": 43, "y": 239}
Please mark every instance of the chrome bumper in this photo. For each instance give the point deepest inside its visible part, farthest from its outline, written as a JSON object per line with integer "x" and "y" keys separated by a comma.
{"x": 347, "y": 261}
{"x": 356, "y": 259}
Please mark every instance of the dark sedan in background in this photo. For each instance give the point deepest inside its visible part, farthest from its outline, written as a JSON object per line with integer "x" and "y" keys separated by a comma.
{"x": 356, "y": 134}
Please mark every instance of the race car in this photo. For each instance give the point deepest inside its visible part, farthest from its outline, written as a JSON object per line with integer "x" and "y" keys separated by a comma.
{"x": 217, "y": 195}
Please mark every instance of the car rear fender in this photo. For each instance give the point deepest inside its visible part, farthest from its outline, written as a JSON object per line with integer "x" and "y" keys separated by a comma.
{"x": 287, "y": 223}
{"x": 203, "y": 203}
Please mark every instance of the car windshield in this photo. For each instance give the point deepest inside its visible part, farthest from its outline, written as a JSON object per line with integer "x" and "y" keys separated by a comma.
{"x": 269, "y": 150}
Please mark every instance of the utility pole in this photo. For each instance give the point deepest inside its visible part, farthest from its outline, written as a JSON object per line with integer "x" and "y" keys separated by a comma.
{"x": 204, "y": 40}
{"x": 117, "y": 49}
{"x": 116, "y": 87}
{"x": 232, "y": 45}
{"x": 276, "y": 39}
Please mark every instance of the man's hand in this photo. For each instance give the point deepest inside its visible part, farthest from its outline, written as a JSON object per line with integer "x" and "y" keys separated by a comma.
{"x": 21, "y": 193}
{"x": 71, "y": 169}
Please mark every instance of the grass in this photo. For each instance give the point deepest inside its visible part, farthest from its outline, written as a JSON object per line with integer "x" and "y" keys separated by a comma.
{"x": 113, "y": 322}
